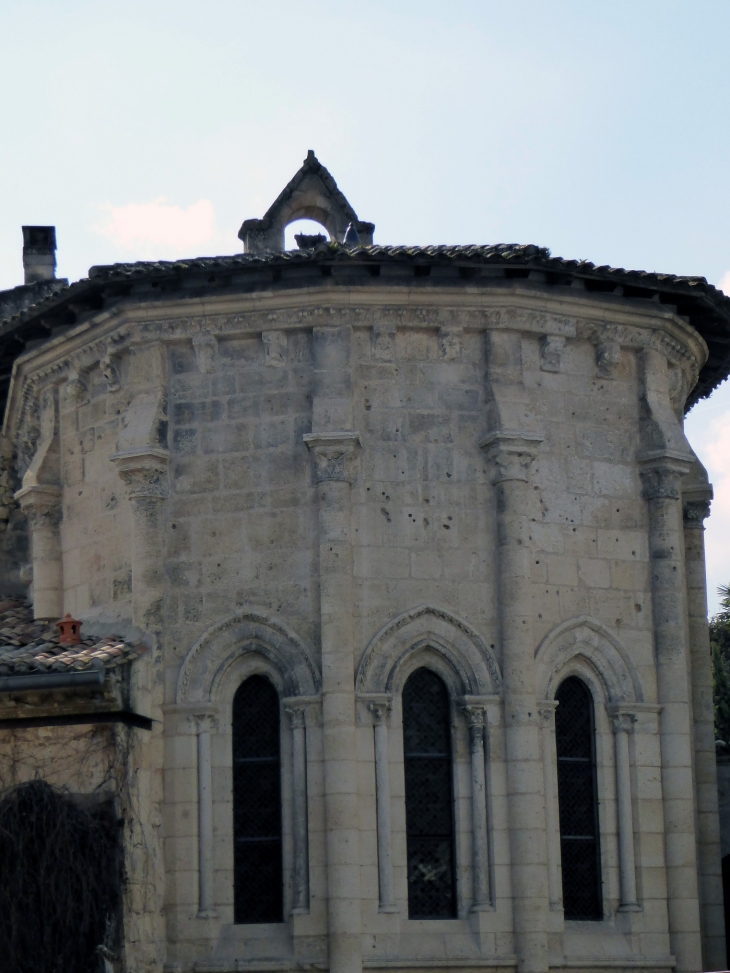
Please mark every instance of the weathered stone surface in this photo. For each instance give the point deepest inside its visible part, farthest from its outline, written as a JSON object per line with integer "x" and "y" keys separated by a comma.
{"x": 332, "y": 484}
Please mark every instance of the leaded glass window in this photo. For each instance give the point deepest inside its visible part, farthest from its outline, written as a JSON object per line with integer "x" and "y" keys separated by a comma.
{"x": 429, "y": 798}
{"x": 257, "y": 892}
{"x": 578, "y": 800}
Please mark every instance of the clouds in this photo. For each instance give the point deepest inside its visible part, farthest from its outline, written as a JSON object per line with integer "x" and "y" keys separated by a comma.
{"x": 145, "y": 227}
{"x": 724, "y": 283}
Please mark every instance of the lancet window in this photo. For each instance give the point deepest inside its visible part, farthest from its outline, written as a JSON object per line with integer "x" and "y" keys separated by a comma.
{"x": 429, "y": 797}
{"x": 258, "y": 882}
{"x": 578, "y": 801}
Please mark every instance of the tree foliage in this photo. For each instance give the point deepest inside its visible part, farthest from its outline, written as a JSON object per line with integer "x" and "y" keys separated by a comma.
{"x": 720, "y": 648}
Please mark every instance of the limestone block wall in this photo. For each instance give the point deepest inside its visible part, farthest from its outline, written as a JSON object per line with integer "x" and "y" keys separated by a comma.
{"x": 334, "y": 493}
{"x": 95, "y": 523}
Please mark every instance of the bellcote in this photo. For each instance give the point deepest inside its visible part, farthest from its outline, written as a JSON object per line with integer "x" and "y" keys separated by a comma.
{"x": 311, "y": 194}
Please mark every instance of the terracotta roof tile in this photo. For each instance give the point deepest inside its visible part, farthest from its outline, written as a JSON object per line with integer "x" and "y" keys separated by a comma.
{"x": 32, "y": 647}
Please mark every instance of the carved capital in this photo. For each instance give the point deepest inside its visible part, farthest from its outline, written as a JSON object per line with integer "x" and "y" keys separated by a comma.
{"x": 622, "y": 722}
{"x": 203, "y": 722}
{"x": 296, "y": 708}
{"x": 475, "y": 714}
{"x": 546, "y": 711}
{"x": 379, "y": 711}
{"x": 696, "y": 501}
{"x": 335, "y": 455}
{"x": 41, "y": 505}
{"x": 661, "y": 478}
{"x": 695, "y": 513}
{"x": 297, "y": 715}
{"x": 144, "y": 472}
{"x": 512, "y": 454}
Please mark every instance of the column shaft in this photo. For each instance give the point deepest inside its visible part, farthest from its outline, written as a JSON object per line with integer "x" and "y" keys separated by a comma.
{"x": 479, "y": 817}
{"x": 333, "y": 455}
{"x": 300, "y": 904}
{"x": 708, "y": 822}
{"x": 666, "y": 549}
{"x": 552, "y": 823}
{"x": 42, "y": 506}
{"x": 525, "y": 780}
{"x": 382, "y": 799}
{"x": 206, "y": 904}
{"x": 627, "y": 866}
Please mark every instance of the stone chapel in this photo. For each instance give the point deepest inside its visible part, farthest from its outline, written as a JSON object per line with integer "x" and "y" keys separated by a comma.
{"x": 389, "y": 567}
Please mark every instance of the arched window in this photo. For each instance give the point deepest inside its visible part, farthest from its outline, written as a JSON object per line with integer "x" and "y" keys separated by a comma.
{"x": 257, "y": 882}
{"x": 429, "y": 801}
{"x": 578, "y": 801}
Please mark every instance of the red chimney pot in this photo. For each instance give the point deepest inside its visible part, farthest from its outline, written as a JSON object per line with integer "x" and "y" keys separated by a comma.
{"x": 69, "y": 630}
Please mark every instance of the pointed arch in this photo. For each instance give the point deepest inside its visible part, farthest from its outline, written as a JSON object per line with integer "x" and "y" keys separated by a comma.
{"x": 585, "y": 642}
{"x": 470, "y": 660}
{"x": 245, "y": 631}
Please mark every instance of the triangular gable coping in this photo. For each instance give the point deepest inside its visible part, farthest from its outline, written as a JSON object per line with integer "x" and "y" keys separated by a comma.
{"x": 265, "y": 233}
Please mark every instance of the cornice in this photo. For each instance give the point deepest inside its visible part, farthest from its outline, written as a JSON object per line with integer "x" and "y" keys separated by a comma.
{"x": 514, "y": 307}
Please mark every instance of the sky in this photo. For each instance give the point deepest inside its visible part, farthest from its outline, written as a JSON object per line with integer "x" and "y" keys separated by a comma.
{"x": 152, "y": 129}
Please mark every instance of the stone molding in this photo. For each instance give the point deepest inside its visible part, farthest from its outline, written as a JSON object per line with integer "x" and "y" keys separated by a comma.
{"x": 249, "y": 630}
{"x": 335, "y": 455}
{"x": 587, "y": 639}
{"x": 465, "y": 651}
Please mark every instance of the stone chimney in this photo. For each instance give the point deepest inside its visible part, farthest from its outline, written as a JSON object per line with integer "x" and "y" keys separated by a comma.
{"x": 39, "y": 253}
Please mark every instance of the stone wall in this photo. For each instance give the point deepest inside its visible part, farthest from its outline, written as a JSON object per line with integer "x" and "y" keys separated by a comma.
{"x": 334, "y": 494}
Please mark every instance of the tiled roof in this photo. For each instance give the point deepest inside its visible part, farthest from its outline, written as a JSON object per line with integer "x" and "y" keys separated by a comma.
{"x": 29, "y": 647}
{"x": 705, "y": 307}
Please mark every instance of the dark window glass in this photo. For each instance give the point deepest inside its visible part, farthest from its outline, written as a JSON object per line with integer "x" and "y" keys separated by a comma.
{"x": 579, "y": 844}
{"x": 429, "y": 802}
{"x": 257, "y": 892}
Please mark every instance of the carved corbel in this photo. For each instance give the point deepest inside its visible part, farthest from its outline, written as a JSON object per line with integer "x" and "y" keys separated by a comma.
{"x": 109, "y": 367}
{"x": 450, "y": 342}
{"x": 205, "y": 347}
{"x": 275, "y": 348}
{"x": 551, "y": 352}
{"x": 77, "y": 386}
{"x": 335, "y": 455}
{"x": 383, "y": 342}
{"x": 608, "y": 357}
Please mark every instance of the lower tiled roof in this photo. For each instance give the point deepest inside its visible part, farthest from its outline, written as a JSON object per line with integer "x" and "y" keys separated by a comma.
{"x": 32, "y": 647}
